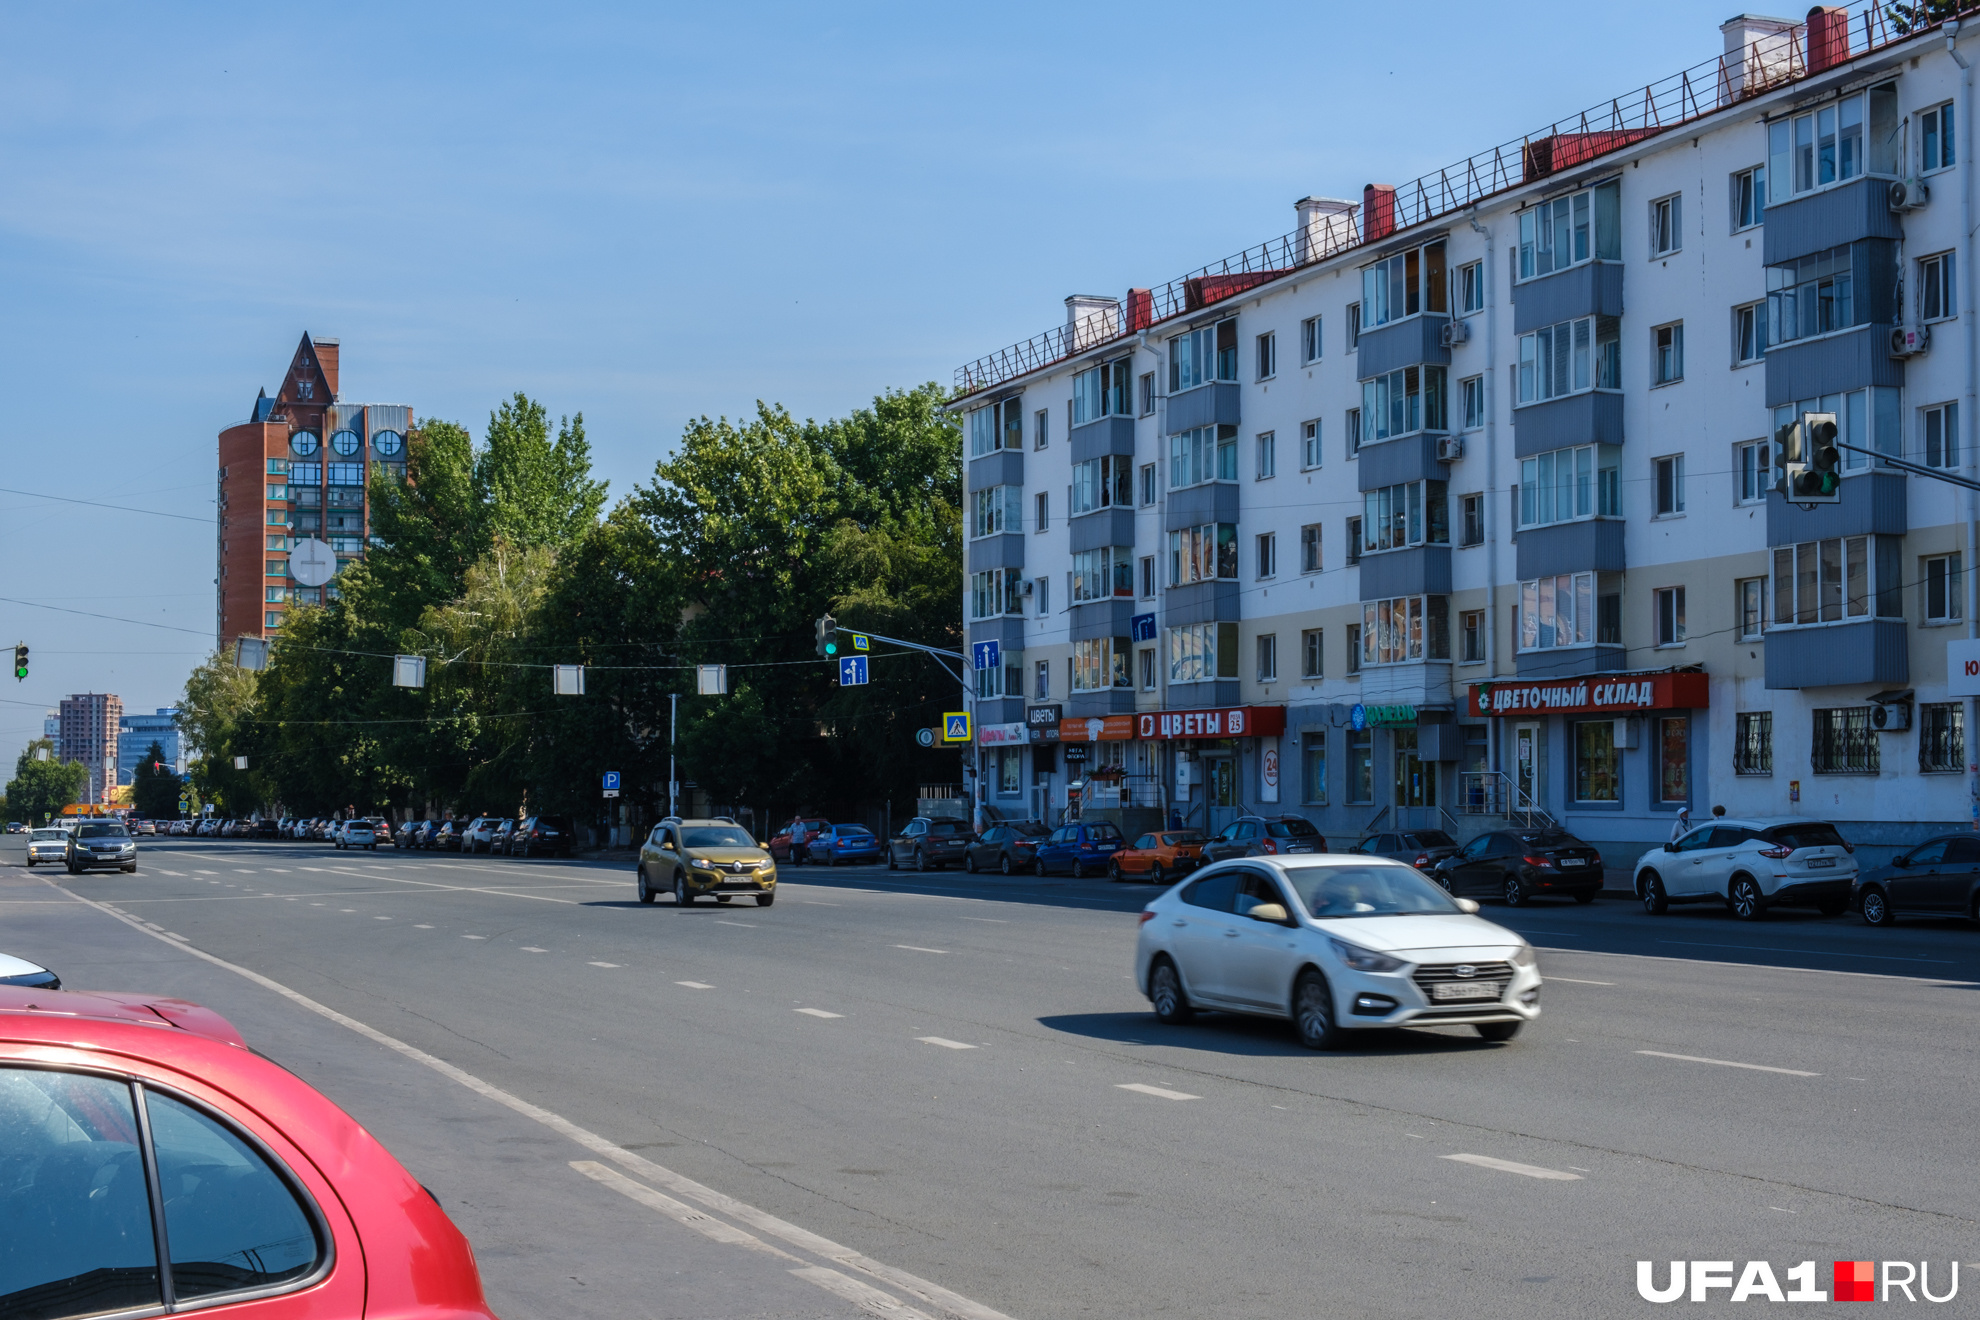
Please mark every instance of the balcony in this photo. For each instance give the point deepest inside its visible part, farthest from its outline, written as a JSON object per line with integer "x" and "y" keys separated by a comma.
{"x": 1405, "y": 343}
{"x": 1109, "y": 435}
{"x": 1568, "y": 661}
{"x": 1107, "y": 617}
{"x": 1215, "y": 404}
{"x": 1002, "y": 551}
{"x": 1873, "y": 504}
{"x": 1832, "y": 364}
{"x": 1392, "y": 462}
{"x": 1834, "y": 655}
{"x": 1573, "y": 547}
{"x": 999, "y": 467}
{"x": 1819, "y": 221}
{"x": 1591, "y": 417}
{"x": 1422, "y": 570}
{"x": 1594, "y": 288}
{"x": 1101, "y": 528}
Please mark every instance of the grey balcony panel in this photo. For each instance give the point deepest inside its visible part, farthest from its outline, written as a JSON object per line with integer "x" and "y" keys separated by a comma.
{"x": 1003, "y": 468}
{"x": 1814, "y": 367}
{"x": 1829, "y": 219}
{"x": 1007, "y": 632}
{"x": 1575, "y": 547}
{"x": 1101, "y": 618}
{"x": 1593, "y": 418}
{"x": 1873, "y": 504}
{"x": 1594, "y": 288}
{"x": 1420, "y": 570}
{"x": 1869, "y": 651}
{"x": 990, "y": 552}
{"x": 1215, "y": 404}
{"x": 1200, "y": 602}
{"x": 999, "y": 710}
{"x": 1412, "y": 458}
{"x": 1215, "y": 501}
{"x": 1090, "y": 531}
{"x": 1568, "y": 663}
{"x": 1085, "y": 705}
{"x": 1109, "y": 435}
{"x": 1221, "y": 692}
{"x": 1402, "y": 344}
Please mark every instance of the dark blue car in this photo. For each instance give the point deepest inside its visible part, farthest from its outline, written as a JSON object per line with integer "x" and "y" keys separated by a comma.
{"x": 1080, "y": 847}
{"x": 844, "y": 843}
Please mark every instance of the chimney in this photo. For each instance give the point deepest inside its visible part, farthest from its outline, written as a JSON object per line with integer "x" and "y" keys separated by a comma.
{"x": 1378, "y": 211}
{"x": 1326, "y": 224}
{"x": 1828, "y": 37}
{"x": 1759, "y": 53}
{"x": 1092, "y": 318}
{"x": 1140, "y": 310}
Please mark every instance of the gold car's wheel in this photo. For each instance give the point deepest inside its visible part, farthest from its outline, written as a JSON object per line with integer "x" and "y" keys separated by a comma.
{"x": 683, "y": 896}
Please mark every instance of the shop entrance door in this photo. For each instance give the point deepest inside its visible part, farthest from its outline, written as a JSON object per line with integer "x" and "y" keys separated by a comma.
{"x": 1526, "y": 766}
{"x": 1219, "y": 792}
{"x": 1415, "y": 784}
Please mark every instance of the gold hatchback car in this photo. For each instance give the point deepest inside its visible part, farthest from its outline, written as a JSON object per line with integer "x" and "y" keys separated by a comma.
{"x": 696, "y": 857}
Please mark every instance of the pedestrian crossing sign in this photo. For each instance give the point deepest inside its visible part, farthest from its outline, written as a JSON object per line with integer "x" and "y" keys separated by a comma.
{"x": 955, "y": 726}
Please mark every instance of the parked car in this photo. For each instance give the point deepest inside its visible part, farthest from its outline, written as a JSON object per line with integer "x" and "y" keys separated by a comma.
{"x": 694, "y": 858}
{"x": 50, "y": 843}
{"x": 837, "y": 845}
{"x": 21, "y": 972}
{"x": 1260, "y": 836}
{"x": 1421, "y": 849}
{"x": 927, "y": 844}
{"x": 15, "y": 827}
{"x": 356, "y": 834}
{"x": 1079, "y": 847}
{"x": 501, "y": 836}
{"x": 1938, "y": 878}
{"x": 1161, "y": 857}
{"x": 207, "y": 828}
{"x": 789, "y": 843}
{"x": 94, "y": 843}
{"x": 1516, "y": 865}
{"x": 480, "y": 834}
{"x": 448, "y": 837}
{"x": 544, "y": 834}
{"x": 1007, "y": 847}
{"x": 279, "y": 1203}
{"x": 1751, "y": 864}
{"x": 264, "y": 829}
{"x": 1334, "y": 944}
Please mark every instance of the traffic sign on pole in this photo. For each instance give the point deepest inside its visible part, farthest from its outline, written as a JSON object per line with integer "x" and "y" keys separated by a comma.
{"x": 852, "y": 670}
{"x": 611, "y": 783}
{"x": 956, "y": 726}
{"x": 986, "y": 655}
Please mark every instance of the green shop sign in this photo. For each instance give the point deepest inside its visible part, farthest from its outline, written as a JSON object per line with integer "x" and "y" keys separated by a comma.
{"x": 1383, "y": 717}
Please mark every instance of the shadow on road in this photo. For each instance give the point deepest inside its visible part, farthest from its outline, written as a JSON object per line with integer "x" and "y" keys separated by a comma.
{"x": 1241, "y": 1035}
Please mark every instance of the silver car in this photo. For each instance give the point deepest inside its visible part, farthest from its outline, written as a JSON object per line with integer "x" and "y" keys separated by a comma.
{"x": 49, "y": 844}
{"x": 355, "y": 834}
{"x": 1333, "y": 943}
{"x": 1751, "y": 864}
{"x": 95, "y": 843}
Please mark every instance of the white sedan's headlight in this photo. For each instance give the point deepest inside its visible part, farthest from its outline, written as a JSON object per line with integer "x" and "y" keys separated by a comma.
{"x": 1365, "y": 960}
{"x": 1523, "y": 956}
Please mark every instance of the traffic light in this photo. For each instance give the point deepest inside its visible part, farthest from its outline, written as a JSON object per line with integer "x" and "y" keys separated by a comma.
{"x": 828, "y": 637}
{"x": 20, "y": 661}
{"x": 1810, "y": 463}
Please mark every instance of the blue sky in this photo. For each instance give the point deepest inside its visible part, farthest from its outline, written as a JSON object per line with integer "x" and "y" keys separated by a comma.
{"x": 643, "y": 212}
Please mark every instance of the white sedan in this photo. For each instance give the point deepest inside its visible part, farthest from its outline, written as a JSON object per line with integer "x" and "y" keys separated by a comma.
{"x": 47, "y": 844}
{"x": 1332, "y": 943}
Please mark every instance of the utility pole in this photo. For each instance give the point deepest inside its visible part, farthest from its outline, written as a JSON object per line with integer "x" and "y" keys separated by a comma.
{"x": 673, "y": 775}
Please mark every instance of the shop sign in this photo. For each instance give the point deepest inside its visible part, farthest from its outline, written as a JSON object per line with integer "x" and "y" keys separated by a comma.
{"x": 1097, "y": 728}
{"x": 1044, "y": 722}
{"x": 1075, "y": 752}
{"x": 1578, "y": 696}
{"x": 1229, "y": 722}
{"x": 1382, "y": 717}
{"x": 1268, "y": 771}
{"x": 992, "y": 735}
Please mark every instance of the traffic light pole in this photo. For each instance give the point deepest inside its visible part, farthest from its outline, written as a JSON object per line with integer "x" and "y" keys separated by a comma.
{"x": 1904, "y": 465}
{"x": 961, "y": 675}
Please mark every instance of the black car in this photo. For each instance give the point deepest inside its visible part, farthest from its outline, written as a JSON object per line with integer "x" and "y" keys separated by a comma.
{"x": 1517, "y": 865}
{"x": 927, "y": 844}
{"x": 543, "y": 834}
{"x": 265, "y": 829}
{"x": 1421, "y": 849}
{"x": 1938, "y": 878}
{"x": 1259, "y": 836}
{"x": 1007, "y": 848}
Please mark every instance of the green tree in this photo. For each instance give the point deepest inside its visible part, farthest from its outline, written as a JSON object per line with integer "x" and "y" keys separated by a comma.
{"x": 531, "y": 491}
{"x": 40, "y": 788}
{"x": 154, "y": 786}
{"x": 218, "y": 717}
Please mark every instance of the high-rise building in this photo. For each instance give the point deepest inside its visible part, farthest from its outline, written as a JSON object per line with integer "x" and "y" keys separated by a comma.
{"x": 89, "y": 736}
{"x": 296, "y": 469}
{"x": 136, "y": 736}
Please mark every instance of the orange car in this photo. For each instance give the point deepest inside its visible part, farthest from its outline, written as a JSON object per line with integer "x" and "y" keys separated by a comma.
{"x": 1170, "y": 854}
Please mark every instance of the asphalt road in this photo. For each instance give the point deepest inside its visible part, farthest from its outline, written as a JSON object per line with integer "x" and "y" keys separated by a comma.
{"x": 934, "y": 1071}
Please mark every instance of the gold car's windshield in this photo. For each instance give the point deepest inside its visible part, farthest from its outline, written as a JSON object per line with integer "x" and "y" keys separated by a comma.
{"x": 716, "y": 836}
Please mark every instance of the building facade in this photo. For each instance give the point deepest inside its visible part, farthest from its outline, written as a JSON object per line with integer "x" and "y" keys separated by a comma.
{"x": 89, "y": 723}
{"x": 135, "y": 737}
{"x": 295, "y": 470}
{"x": 1455, "y": 503}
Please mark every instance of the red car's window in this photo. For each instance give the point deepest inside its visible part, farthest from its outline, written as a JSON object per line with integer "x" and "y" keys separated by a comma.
{"x": 230, "y": 1219}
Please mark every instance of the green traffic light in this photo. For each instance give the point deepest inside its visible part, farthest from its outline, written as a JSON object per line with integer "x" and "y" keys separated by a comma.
{"x": 831, "y": 648}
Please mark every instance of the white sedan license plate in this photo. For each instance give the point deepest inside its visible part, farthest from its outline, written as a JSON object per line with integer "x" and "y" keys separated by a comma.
{"x": 1465, "y": 990}
{"x": 1814, "y": 862}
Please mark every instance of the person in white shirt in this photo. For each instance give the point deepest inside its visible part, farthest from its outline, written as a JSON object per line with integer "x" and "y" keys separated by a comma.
{"x": 1682, "y": 825}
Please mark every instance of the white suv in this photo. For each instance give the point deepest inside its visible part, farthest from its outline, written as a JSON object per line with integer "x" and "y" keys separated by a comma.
{"x": 1751, "y": 864}
{"x": 355, "y": 834}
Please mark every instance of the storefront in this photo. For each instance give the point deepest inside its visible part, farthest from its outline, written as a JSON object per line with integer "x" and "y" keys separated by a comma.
{"x": 1000, "y": 756}
{"x": 1218, "y": 763}
{"x": 1042, "y": 728}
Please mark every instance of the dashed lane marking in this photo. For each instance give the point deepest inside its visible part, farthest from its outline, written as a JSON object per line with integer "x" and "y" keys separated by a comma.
{"x": 531, "y": 948}
{"x": 746, "y": 925}
{"x": 1159, "y": 1092}
{"x": 1514, "y": 1166}
{"x": 918, "y": 949}
{"x": 604, "y": 964}
{"x": 1572, "y": 981}
{"x": 422, "y": 926}
{"x": 1729, "y": 1063}
{"x": 695, "y": 985}
{"x": 944, "y": 1043}
{"x": 819, "y": 1013}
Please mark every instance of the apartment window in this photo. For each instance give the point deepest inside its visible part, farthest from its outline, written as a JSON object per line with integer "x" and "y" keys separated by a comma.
{"x": 1203, "y": 652}
{"x": 278, "y": 517}
{"x": 1570, "y": 357}
{"x": 305, "y": 474}
{"x": 1404, "y": 401}
{"x": 1354, "y": 540}
{"x": 1413, "y": 513}
{"x": 1749, "y": 333}
{"x": 1668, "y": 362}
{"x": 1041, "y": 426}
{"x": 1570, "y": 609}
{"x": 1148, "y": 577}
{"x": 1750, "y": 599}
{"x": 1944, "y": 589}
{"x": 1309, "y": 548}
{"x": 1566, "y": 231}
{"x": 1471, "y": 636}
{"x": 1403, "y": 629}
{"x": 1670, "y": 484}
{"x": 1309, "y": 339}
{"x": 1147, "y": 393}
{"x": 278, "y": 543}
{"x": 276, "y": 568}
{"x": 1312, "y": 653}
{"x": 1353, "y": 432}
{"x": 1868, "y": 419}
{"x": 1268, "y": 658}
{"x": 1670, "y": 616}
{"x": 997, "y": 509}
{"x": 273, "y": 618}
{"x": 998, "y": 426}
{"x": 997, "y": 592}
{"x": 1403, "y": 285}
{"x": 1470, "y": 288}
{"x": 1313, "y": 768}
{"x": 1203, "y": 355}
{"x": 1268, "y": 455}
{"x": 1354, "y": 648}
{"x": 1042, "y": 680}
{"x": 1268, "y": 555}
{"x": 278, "y": 492}
{"x": 1936, "y": 299}
{"x": 1941, "y": 435}
{"x": 1006, "y": 680}
{"x": 1816, "y": 294}
{"x": 1666, "y": 225}
{"x": 1848, "y": 577}
{"x": 1146, "y": 659}
{"x": 1360, "y": 767}
{"x": 1471, "y": 517}
{"x": 1749, "y": 198}
{"x": 1826, "y": 146}
{"x": 1471, "y": 402}
{"x": 1043, "y": 502}
{"x": 1564, "y": 485}
{"x": 1103, "y": 573}
{"x": 1941, "y": 735}
{"x": 1203, "y": 554}
{"x": 1207, "y": 453}
{"x": 1844, "y": 742}
{"x": 1101, "y": 483}
{"x": 1674, "y": 758}
{"x": 1101, "y": 663}
{"x": 346, "y": 474}
{"x": 1309, "y": 444}
{"x": 1935, "y": 139}
{"x": 1147, "y": 484}
{"x": 1102, "y": 391}
{"x": 1753, "y": 742}
{"x": 1042, "y": 593}
{"x": 276, "y": 595}
{"x": 1268, "y": 355}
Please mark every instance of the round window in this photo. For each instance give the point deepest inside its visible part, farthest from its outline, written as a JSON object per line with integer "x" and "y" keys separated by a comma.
{"x": 386, "y": 444}
{"x": 345, "y": 442}
{"x": 302, "y": 442}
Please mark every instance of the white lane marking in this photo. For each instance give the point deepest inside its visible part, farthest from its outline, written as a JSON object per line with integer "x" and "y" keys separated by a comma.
{"x": 421, "y": 926}
{"x": 1722, "y": 964}
{"x": 1513, "y": 1166}
{"x": 1001, "y": 921}
{"x": 816, "y": 903}
{"x": 1572, "y": 981}
{"x": 177, "y": 874}
{"x": 1728, "y": 1063}
{"x": 1159, "y": 1092}
{"x": 695, "y": 985}
{"x": 1578, "y": 1169}
{"x": 746, "y": 925}
{"x": 278, "y": 870}
{"x": 198, "y": 872}
{"x": 604, "y": 964}
{"x": 1824, "y": 953}
{"x": 316, "y": 905}
{"x": 531, "y": 948}
{"x": 944, "y": 1043}
{"x": 918, "y": 949}
{"x": 347, "y": 909}
{"x": 474, "y": 937}
{"x": 242, "y": 870}
{"x": 680, "y": 1213}
{"x": 863, "y": 1295}
{"x": 819, "y": 1013}
{"x": 1783, "y": 1209}
{"x": 381, "y": 918}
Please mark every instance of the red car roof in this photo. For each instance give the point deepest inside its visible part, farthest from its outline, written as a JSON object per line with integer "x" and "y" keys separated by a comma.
{"x": 109, "y": 1006}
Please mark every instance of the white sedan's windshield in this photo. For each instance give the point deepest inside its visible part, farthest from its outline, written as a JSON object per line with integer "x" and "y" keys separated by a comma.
{"x": 1366, "y": 891}
{"x": 49, "y": 835}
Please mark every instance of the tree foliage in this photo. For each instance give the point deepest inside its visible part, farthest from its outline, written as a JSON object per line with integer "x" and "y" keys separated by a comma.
{"x": 40, "y": 788}
{"x": 155, "y": 785}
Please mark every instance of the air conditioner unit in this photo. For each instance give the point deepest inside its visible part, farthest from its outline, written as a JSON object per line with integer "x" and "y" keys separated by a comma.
{"x": 1909, "y": 194}
{"x": 1026, "y": 589}
{"x": 1454, "y": 333}
{"x": 1910, "y": 341}
{"x": 1450, "y": 448}
{"x": 1891, "y": 716}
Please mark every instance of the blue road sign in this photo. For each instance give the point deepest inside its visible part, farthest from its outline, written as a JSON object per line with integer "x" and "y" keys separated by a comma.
{"x": 861, "y": 642}
{"x": 1142, "y": 626}
{"x": 852, "y": 670}
{"x": 955, "y": 726}
{"x": 611, "y": 780}
{"x": 987, "y": 655}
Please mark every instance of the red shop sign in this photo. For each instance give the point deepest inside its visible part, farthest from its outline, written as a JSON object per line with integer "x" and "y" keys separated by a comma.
{"x": 1230, "y": 722}
{"x": 1597, "y": 693}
